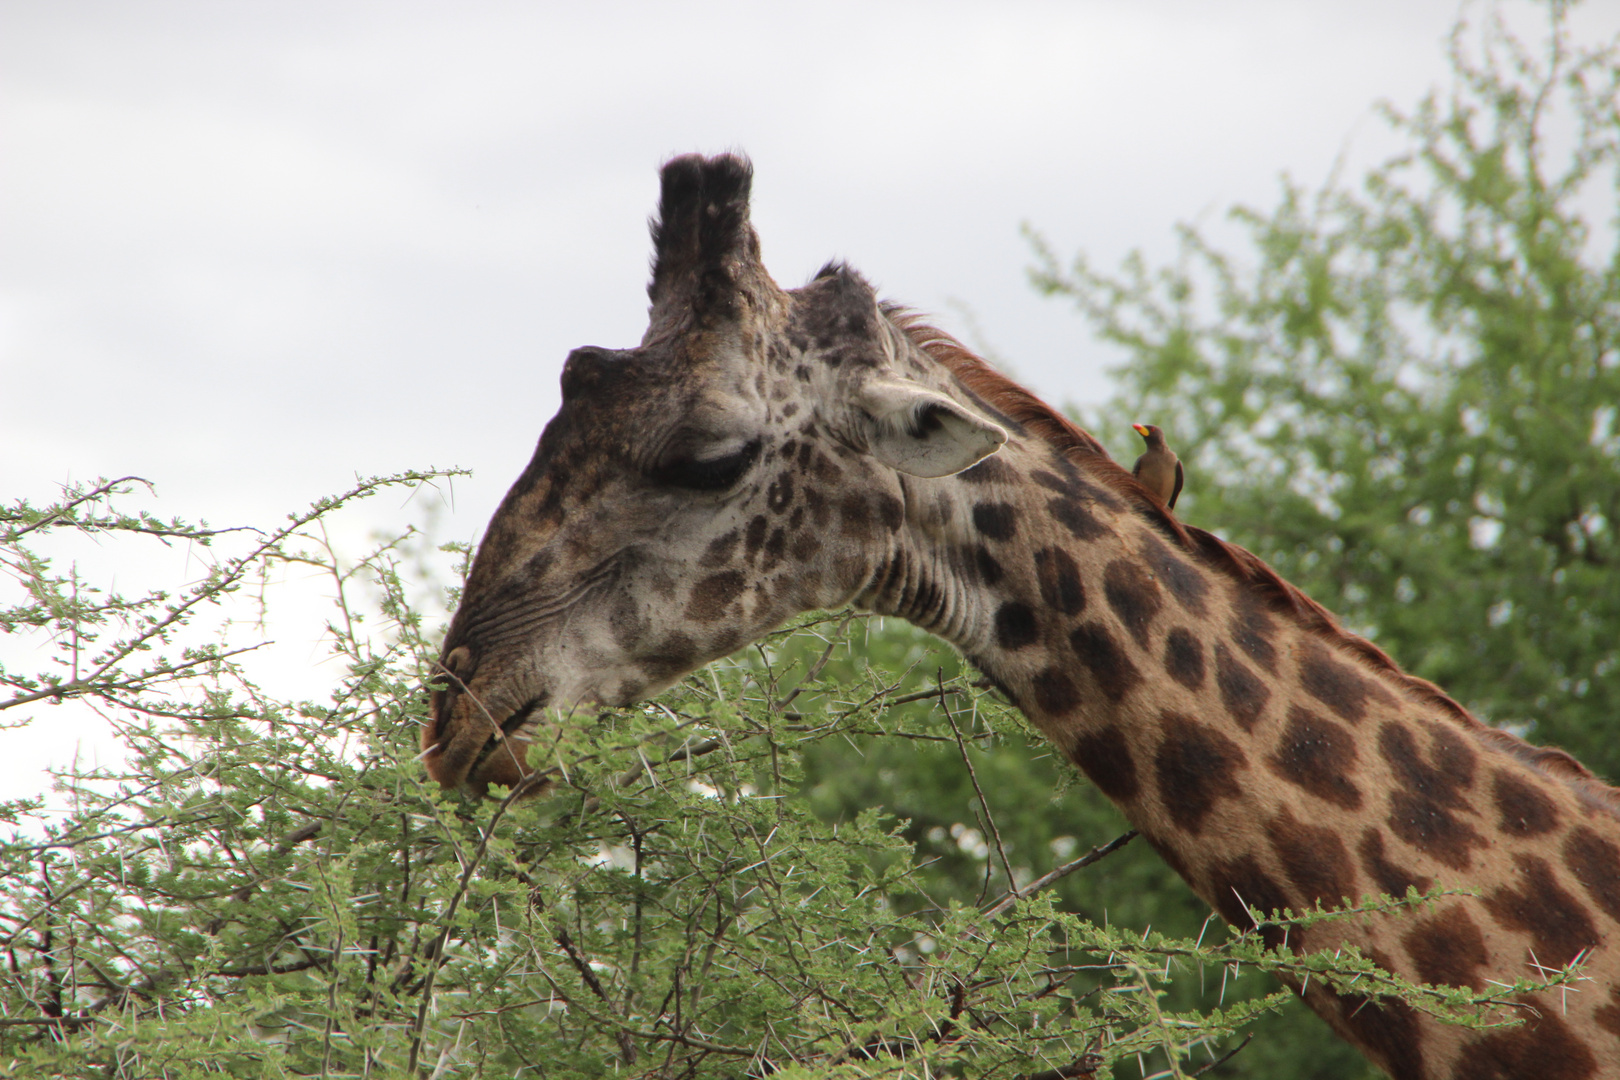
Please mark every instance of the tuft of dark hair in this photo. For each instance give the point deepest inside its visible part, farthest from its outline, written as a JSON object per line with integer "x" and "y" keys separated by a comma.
{"x": 701, "y": 233}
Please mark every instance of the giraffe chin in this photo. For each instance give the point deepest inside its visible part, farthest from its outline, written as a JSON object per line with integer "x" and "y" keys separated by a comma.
{"x": 504, "y": 762}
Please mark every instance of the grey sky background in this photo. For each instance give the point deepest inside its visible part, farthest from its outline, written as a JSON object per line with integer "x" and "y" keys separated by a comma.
{"x": 249, "y": 250}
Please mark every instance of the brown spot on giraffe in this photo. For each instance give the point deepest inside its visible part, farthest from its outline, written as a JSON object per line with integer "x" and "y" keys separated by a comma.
{"x": 1105, "y": 757}
{"x": 714, "y": 594}
{"x": 1559, "y": 926}
{"x": 1243, "y": 693}
{"x": 720, "y": 549}
{"x": 891, "y": 514}
{"x": 1608, "y": 1015}
{"x": 1523, "y": 809}
{"x": 1254, "y": 631}
{"x": 754, "y": 537}
{"x": 1105, "y": 658}
{"x": 805, "y": 546}
{"x": 1055, "y": 693}
{"x": 1240, "y": 884}
{"x": 1390, "y": 1030}
{"x": 1390, "y": 877}
{"x": 820, "y": 509}
{"x": 672, "y": 656}
{"x": 1595, "y": 862}
{"x": 855, "y": 516}
{"x": 1059, "y": 578}
{"x": 1429, "y": 809}
{"x": 990, "y": 571}
{"x": 992, "y": 470}
{"x": 775, "y": 548}
{"x": 1016, "y": 627}
{"x": 779, "y": 496}
{"x": 1544, "y": 1047}
{"x": 1073, "y": 485}
{"x": 824, "y": 468}
{"x": 1448, "y": 949}
{"x": 995, "y": 520}
{"x": 1184, "y": 658}
{"x": 1052, "y": 482}
{"x": 1334, "y": 684}
{"x": 1319, "y": 756}
{"x": 1318, "y": 863}
{"x": 1197, "y": 767}
{"x": 1077, "y": 518}
{"x": 1181, "y": 578}
{"x": 1134, "y": 597}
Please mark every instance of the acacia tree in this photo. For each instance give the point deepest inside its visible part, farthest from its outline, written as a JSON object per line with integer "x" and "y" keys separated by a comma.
{"x": 270, "y": 888}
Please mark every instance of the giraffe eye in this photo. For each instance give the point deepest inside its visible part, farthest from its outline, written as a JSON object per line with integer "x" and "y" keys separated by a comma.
{"x": 708, "y": 474}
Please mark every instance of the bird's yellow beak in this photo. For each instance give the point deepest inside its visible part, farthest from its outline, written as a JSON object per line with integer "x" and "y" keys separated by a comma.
{"x": 1141, "y": 429}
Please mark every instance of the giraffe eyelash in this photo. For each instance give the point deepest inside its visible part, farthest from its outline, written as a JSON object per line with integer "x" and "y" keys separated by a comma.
{"x": 711, "y": 474}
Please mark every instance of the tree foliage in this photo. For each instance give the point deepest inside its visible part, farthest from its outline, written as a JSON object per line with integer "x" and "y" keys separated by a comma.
{"x": 270, "y": 888}
{"x": 1404, "y": 396}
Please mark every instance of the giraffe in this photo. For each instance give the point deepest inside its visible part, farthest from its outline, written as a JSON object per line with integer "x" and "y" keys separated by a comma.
{"x": 764, "y": 452}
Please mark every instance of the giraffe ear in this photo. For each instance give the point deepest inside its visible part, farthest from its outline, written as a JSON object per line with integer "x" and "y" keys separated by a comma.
{"x": 923, "y": 433}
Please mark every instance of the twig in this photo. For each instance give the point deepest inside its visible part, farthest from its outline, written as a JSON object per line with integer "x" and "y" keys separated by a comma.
{"x": 95, "y": 493}
{"x": 815, "y": 669}
{"x": 1202, "y": 1069}
{"x": 1079, "y": 1070}
{"x": 436, "y": 950}
{"x": 990, "y": 818}
{"x": 96, "y": 685}
{"x": 1014, "y": 895}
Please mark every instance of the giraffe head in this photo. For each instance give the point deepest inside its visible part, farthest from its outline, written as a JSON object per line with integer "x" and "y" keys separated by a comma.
{"x": 742, "y": 464}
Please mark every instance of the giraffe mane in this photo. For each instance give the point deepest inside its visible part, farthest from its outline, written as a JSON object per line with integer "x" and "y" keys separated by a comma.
{"x": 1248, "y": 569}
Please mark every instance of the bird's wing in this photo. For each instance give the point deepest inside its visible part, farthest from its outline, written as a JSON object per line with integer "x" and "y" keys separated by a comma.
{"x": 1177, "y": 492}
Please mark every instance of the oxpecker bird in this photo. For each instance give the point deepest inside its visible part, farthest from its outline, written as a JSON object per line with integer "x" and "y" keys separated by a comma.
{"x": 1158, "y": 470}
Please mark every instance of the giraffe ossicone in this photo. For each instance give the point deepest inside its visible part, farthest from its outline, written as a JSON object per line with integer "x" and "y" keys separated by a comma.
{"x": 765, "y": 452}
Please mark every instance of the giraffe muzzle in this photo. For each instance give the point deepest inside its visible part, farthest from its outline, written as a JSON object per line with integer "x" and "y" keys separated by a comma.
{"x": 471, "y": 748}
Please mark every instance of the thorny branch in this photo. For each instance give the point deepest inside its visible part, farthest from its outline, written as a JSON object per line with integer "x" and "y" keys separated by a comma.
{"x": 967, "y": 760}
{"x": 1013, "y": 895}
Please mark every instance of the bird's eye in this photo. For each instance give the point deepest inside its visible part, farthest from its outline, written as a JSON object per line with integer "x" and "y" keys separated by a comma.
{"x": 708, "y": 473}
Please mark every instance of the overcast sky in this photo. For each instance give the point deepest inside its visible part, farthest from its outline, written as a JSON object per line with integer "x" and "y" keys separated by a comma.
{"x": 248, "y": 250}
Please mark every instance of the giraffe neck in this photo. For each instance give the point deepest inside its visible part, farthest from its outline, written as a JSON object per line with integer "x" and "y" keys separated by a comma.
{"x": 1265, "y": 757}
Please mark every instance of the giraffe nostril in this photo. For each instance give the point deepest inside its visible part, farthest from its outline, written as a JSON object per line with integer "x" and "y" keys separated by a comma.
{"x": 450, "y": 678}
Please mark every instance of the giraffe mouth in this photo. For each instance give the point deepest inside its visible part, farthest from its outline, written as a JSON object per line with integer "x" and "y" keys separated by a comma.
{"x": 512, "y": 739}
{"x": 460, "y": 759}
